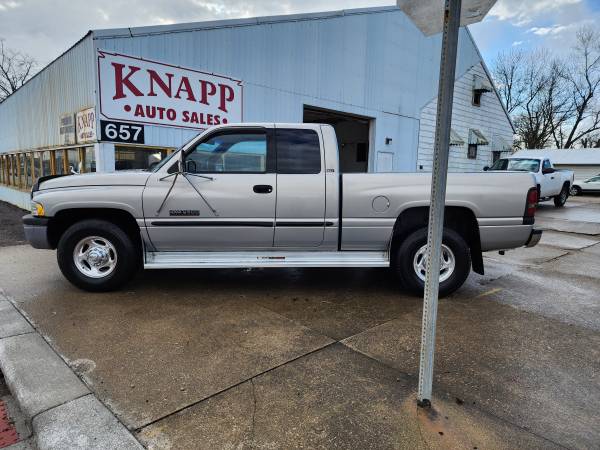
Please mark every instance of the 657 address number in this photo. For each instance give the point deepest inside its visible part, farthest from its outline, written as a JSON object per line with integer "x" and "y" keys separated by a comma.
{"x": 121, "y": 132}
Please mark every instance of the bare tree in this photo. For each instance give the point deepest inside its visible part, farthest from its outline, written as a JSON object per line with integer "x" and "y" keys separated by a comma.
{"x": 15, "y": 69}
{"x": 552, "y": 101}
{"x": 592, "y": 140}
{"x": 531, "y": 86}
{"x": 508, "y": 74}
{"x": 583, "y": 82}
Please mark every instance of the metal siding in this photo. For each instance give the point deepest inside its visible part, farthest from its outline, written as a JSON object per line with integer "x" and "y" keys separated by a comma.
{"x": 374, "y": 62}
{"x": 30, "y": 117}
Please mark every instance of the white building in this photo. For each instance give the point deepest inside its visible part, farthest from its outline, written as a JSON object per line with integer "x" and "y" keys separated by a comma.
{"x": 584, "y": 162}
{"x": 369, "y": 72}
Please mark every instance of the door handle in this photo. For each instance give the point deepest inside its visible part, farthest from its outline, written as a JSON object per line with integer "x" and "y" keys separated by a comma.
{"x": 263, "y": 188}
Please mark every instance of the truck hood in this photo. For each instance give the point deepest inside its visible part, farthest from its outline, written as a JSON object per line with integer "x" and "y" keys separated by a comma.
{"x": 121, "y": 178}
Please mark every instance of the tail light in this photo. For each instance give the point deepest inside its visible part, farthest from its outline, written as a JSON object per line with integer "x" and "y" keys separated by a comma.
{"x": 530, "y": 205}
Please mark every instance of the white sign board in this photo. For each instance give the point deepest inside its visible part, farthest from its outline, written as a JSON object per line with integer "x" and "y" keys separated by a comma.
{"x": 86, "y": 125}
{"x": 67, "y": 129}
{"x": 138, "y": 90}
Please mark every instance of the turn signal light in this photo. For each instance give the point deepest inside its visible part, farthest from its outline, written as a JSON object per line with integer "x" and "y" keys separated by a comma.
{"x": 37, "y": 209}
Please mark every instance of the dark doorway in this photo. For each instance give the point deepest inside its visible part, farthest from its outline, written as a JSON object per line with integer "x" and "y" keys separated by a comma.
{"x": 352, "y": 134}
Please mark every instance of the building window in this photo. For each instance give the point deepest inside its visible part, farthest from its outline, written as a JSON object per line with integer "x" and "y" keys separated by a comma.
{"x": 472, "y": 151}
{"x": 88, "y": 160}
{"x": 135, "y": 158}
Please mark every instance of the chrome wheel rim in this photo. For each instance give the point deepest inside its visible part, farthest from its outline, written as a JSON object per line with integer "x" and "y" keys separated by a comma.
{"x": 95, "y": 257}
{"x": 573, "y": 191}
{"x": 447, "y": 263}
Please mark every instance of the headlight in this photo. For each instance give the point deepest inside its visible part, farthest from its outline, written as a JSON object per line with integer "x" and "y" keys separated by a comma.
{"x": 37, "y": 209}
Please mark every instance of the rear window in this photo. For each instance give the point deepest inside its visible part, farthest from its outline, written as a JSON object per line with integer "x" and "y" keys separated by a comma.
{"x": 298, "y": 151}
{"x": 519, "y": 165}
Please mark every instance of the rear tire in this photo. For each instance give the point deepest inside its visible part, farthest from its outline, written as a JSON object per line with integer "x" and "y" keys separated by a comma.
{"x": 561, "y": 199}
{"x": 411, "y": 250}
{"x": 97, "y": 256}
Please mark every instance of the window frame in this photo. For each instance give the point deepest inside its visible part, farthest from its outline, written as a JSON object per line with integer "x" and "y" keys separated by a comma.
{"x": 270, "y": 162}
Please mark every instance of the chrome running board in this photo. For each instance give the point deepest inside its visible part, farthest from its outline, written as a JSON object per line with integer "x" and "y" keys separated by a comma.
{"x": 214, "y": 260}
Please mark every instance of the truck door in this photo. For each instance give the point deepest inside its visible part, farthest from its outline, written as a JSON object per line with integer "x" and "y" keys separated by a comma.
{"x": 225, "y": 200}
{"x": 551, "y": 184}
{"x": 300, "y": 212}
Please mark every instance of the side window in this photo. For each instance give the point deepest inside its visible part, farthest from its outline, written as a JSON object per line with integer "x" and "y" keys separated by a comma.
{"x": 298, "y": 151}
{"x": 546, "y": 164}
{"x": 230, "y": 152}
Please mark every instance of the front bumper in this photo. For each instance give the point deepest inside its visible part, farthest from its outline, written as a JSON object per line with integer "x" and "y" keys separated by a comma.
{"x": 36, "y": 231}
{"x": 534, "y": 238}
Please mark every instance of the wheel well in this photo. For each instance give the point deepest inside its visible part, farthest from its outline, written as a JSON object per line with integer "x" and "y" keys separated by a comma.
{"x": 65, "y": 218}
{"x": 567, "y": 184}
{"x": 460, "y": 219}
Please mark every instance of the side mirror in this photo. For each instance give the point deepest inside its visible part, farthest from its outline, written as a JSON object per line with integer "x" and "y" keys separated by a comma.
{"x": 486, "y": 168}
{"x": 548, "y": 171}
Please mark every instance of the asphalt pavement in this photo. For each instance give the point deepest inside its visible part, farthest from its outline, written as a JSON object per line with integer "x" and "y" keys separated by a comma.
{"x": 328, "y": 358}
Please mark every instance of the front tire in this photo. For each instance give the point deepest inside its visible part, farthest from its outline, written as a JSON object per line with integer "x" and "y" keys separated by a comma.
{"x": 410, "y": 264}
{"x": 97, "y": 256}
{"x": 561, "y": 199}
{"x": 575, "y": 190}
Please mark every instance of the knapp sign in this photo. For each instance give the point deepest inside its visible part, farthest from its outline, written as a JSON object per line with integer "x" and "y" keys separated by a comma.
{"x": 138, "y": 90}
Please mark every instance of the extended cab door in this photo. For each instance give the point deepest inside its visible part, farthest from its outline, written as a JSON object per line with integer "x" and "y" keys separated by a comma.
{"x": 300, "y": 212}
{"x": 224, "y": 201}
{"x": 551, "y": 181}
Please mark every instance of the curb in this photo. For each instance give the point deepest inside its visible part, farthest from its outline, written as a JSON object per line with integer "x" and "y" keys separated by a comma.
{"x": 63, "y": 412}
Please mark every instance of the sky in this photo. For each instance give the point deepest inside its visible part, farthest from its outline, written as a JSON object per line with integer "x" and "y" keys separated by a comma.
{"x": 46, "y": 28}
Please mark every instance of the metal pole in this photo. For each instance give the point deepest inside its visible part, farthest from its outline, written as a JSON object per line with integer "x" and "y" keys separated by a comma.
{"x": 438, "y": 197}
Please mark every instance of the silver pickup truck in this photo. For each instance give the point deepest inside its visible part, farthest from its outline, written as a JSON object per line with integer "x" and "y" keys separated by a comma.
{"x": 272, "y": 195}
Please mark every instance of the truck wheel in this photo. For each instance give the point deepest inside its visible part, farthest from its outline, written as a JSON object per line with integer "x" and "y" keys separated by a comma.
{"x": 575, "y": 190}
{"x": 561, "y": 199}
{"x": 410, "y": 262}
{"x": 97, "y": 256}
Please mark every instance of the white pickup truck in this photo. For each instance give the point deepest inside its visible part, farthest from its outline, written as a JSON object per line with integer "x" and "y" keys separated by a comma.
{"x": 272, "y": 195}
{"x": 551, "y": 183}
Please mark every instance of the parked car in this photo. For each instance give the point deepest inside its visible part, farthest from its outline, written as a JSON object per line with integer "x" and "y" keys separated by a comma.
{"x": 272, "y": 195}
{"x": 590, "y": 185}
{"x": 553, "y": 184}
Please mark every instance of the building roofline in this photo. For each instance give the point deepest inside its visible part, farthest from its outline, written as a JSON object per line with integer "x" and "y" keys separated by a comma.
{"x": 110, "y": 33}
{"x": 489, "y": 75}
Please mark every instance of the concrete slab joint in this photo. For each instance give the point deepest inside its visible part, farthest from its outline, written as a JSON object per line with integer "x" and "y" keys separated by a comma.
{"x": 63, "y": 412}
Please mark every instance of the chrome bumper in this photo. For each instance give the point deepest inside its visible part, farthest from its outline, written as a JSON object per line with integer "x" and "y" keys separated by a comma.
{"x": 534, "y": 238}
{"x": 36, "y": 231}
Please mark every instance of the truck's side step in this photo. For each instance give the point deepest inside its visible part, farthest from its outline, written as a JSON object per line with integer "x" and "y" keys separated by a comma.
{"x": 198, "y": 260}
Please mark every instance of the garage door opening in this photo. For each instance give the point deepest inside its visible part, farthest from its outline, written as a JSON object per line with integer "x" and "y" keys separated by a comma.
{"x": 352, "y": 133}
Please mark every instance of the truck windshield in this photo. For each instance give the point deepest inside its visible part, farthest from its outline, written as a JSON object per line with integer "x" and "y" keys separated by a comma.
{"x": 517, "y": 164}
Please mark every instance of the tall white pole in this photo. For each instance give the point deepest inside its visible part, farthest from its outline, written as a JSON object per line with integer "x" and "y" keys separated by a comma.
{"x": 438, "y": 197}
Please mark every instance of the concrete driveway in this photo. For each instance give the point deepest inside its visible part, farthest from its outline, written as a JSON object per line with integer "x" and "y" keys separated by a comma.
{"x": 328, "y": 358}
